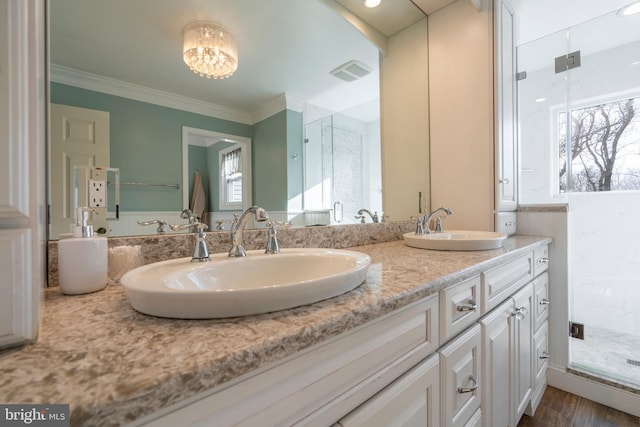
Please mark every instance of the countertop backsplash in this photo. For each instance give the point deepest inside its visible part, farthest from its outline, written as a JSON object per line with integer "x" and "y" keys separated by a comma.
{"x": 127, "y": 253}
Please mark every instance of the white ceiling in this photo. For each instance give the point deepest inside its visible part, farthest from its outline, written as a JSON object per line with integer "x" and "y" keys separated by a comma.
{"x": 285, "y": 47}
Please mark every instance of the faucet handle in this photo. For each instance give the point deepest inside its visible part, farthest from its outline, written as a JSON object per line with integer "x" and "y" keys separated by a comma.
{"x": 419, "y": 225}
{"x": 219, "y": 222}
{"x": 161, "y": 224}
{"x": 272, "y": 241}
{"x": 198, "y": 226}
{"x": 360, "y": 217}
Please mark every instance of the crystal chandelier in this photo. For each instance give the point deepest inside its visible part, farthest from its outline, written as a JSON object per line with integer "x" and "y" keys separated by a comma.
{"x": 210, "y": 50}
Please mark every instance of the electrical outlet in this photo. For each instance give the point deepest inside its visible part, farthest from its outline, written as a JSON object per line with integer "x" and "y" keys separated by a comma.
{"x": 97, "y": 193}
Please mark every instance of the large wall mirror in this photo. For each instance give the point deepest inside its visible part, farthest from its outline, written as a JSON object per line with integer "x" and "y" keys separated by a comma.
{"x": 313, "y": 138}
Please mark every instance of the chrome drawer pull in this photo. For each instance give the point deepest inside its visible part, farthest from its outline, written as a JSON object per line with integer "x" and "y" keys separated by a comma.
{"x": 471, "y": 306}
{"x": 543, "y": 260}
{"x": 544, "y": 355}
{"x": 544, "y": 301}
{"x": 520, "y": 313}
{"x": 473, "y": 387}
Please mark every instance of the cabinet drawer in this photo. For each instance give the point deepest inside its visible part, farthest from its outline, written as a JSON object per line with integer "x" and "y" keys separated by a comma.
{"x": 540, "y": 259}
{"x": 459, "y": 308}
{"x": 541, "y": 300}
{"x": 321, "y": 384}
{"x": 460, "y": 378}
{"x": 501, "y": 282}
{"x": 411, "y": 400}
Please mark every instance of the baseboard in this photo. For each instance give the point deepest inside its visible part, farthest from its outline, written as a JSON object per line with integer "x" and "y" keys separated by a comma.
{"x": 613, "y": 397}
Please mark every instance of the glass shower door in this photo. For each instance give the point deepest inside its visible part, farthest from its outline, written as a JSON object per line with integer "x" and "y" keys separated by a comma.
{"x": 579, "y": 135}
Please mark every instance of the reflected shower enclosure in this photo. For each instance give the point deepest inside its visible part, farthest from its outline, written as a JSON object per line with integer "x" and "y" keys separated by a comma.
{"x": 342, "y": 169}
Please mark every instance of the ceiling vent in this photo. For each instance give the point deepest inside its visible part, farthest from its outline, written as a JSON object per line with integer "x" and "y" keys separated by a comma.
{"x": 352, "y": 70}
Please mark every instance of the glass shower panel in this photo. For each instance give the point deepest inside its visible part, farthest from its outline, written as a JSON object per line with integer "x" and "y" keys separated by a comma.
{"x": 604, "y": 177}
{"x": 342, "y": 163}
{"x": 579, "y": 144}
{"x": 542, "y": 100}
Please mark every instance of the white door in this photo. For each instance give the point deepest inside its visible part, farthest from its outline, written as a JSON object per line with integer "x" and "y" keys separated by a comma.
{"x": 22, "y": 199}
{"x": 79, "y": 136}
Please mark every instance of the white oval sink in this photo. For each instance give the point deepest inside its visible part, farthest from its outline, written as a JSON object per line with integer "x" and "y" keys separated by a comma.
{"x": 257, "y": 283}
{"x": 456, "y": 240}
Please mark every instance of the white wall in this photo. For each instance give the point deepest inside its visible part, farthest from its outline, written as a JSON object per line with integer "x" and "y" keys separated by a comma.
{"x": 461, "y": 105}
{"x": 605, "y": 260}
{"x": 405, "y": 122}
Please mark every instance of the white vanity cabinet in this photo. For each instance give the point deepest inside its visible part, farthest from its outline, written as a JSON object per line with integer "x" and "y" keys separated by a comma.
{"x": 441, "y": 361}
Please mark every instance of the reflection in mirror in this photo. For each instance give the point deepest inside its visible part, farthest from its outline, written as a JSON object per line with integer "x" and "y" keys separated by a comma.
{"x": 342, "y": 164}
{"x": 124, "y": 59}
{"x": 223, "y": 162}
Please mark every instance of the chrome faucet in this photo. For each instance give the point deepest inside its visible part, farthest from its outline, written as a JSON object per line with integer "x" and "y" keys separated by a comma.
{"x": 361, "y": 217}
{"x": 200, "y": 250}
{"x": 187, "y": 214}
{"x": 237, "y": 229}
{"x": 427, "y": 220}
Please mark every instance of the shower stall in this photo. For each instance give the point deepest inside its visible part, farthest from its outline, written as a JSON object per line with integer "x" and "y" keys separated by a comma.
{"x": 342, "y": 167}
{"x": 579, "y": 144}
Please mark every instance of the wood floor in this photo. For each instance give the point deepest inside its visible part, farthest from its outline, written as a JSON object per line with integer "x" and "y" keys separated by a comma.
{"x": 562, "y": 409}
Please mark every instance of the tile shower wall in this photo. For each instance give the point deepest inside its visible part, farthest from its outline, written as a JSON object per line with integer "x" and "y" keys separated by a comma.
{"x": 605, "y": 263}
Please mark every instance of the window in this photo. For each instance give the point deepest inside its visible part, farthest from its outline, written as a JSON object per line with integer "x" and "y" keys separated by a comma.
{"x": 231, "y": 178}
{"x": 605, "y": 147}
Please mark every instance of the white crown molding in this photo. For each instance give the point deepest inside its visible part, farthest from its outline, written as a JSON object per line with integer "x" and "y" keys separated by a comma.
{"x": 89, "y": 81}
{"x": 282, "y": 102}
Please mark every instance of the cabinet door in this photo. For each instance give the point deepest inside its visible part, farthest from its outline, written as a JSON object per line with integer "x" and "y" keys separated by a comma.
{"x": 461, "y": 378}
{"x": 522, "y": 349}
{"x": 412, "y": 400}
{"x": 505, "y": 108}
{"x": 497, "y": 336}
{"x": 540, "y": 365}
{"x": 541, "y": 300}
{"x": 22, "y": 126}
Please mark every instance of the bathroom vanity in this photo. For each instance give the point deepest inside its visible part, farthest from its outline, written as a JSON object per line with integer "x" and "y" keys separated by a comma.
{"x": 431, "y": 336}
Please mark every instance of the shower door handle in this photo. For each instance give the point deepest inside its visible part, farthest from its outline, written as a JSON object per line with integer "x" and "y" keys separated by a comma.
{"x": 338, "y": 217}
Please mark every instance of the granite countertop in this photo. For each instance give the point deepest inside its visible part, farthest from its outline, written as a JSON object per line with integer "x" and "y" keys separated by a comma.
{"x": 114, "y": 365}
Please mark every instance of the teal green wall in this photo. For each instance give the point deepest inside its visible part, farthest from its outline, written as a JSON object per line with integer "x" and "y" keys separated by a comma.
{"x": 146, "y": 143}
{"x": 269, "y": 159}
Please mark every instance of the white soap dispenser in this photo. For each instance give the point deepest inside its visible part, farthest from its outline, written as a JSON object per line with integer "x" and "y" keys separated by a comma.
{"x": 82, "y": 259}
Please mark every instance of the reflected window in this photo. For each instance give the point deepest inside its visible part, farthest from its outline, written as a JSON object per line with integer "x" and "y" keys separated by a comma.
{"x": 231, "y": 178}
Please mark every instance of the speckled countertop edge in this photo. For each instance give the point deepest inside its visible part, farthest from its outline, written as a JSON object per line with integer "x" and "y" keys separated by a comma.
{"x": 114, "y": 365}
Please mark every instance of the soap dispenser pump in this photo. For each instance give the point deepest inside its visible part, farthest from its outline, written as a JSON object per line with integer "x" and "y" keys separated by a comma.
{"x": 82, "y": 259}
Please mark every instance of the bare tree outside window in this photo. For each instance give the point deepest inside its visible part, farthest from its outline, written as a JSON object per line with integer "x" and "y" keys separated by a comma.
{"x": 605, "y": 147}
